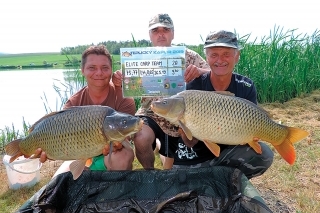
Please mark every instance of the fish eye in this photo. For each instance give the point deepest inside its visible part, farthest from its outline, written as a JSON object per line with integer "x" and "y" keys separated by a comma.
{"x": 124, "y": 122}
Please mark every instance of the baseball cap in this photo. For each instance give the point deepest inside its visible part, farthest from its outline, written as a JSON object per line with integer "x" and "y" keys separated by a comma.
{"x": 222, "y": 39}
{"x": 160, "y": 20}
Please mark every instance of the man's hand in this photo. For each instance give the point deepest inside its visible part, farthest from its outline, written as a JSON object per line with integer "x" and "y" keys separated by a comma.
{"x": 187, "y": 142}
{"x": 116, "y": 146}
{"x": 38, "y": 154}
{"x": 117, "y": 78}
{"x": 191, "y": 73}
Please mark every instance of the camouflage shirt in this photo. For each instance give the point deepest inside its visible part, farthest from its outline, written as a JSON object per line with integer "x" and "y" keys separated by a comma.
{"x": 191, "y": 58}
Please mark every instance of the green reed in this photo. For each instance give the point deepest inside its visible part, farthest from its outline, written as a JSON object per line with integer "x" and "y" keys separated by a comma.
{"x": 8, "y": 134}
{"x": 283, "y": 65}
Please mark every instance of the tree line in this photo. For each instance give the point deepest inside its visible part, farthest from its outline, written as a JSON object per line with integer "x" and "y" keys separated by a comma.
{"x": 114, "y": 46}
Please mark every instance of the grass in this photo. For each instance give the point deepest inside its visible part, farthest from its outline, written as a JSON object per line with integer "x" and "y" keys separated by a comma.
{"x": 296, "y": 186}
{"x": 11, "y": 200}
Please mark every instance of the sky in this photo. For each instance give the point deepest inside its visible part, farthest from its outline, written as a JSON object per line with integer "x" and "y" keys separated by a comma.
{"x": 49, "y": 25}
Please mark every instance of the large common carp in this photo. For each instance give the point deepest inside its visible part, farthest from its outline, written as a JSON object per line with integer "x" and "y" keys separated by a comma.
{"x": 221, "y": 118}
{"x": 77, "y": 133}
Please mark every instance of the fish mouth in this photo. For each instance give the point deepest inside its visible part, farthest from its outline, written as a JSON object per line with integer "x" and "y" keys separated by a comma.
{"x": 137, "y": 127}
{"x": 157, "y": 109}
{"x": 154, "y": 108}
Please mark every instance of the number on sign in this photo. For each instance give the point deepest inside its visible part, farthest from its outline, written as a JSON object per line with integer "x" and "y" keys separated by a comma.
{"x": 174, "y": 72}
{"x": 131, "y": 72}
{"x": 174, "y": 62}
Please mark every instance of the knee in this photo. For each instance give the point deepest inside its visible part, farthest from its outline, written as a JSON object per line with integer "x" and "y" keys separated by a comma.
{"x": 144, "y": 137}
{"x": 139, "y": 137}
{"x": 267, "y": 155}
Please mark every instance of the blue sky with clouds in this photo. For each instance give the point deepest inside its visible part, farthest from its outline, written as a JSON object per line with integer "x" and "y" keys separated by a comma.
{"x": 47, "y": 26}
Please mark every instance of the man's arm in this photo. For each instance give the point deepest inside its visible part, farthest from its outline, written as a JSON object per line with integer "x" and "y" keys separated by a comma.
{"x": 167, "y": 162}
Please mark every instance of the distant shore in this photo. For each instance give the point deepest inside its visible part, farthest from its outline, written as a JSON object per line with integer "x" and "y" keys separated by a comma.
{"x": 38, "y": 60}
{"x": 41, "y": 60}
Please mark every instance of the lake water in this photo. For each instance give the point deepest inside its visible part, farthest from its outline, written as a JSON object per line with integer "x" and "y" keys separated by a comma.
{"x": 23, "y": 94}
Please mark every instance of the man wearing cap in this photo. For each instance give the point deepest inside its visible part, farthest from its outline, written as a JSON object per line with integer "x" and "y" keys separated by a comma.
{"x": 161, "y": 33}
{"x": 222, "y": 53}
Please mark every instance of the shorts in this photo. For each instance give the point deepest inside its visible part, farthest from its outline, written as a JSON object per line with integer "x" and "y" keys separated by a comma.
{"x": 98, "y": 163}
{"x": 166, "y": 149}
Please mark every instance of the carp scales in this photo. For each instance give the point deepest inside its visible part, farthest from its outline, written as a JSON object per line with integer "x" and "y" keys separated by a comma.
{"x": 77, "y": 133}
{"x": 221, "y": 118}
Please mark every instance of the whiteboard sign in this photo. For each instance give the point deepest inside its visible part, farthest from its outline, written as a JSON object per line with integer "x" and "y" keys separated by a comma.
{"x": 153, "y": 71}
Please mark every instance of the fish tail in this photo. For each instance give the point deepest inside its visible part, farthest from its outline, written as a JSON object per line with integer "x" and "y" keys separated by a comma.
{"x": 286, "y": 148}
{"x": 13, "y": 149}
{"x": 296, "y": 134}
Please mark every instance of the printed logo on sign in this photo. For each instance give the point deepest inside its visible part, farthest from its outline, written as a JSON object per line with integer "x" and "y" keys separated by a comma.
{"x": 126, "y": 54}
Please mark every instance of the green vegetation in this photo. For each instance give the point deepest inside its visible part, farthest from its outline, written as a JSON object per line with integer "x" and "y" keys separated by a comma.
{"x": 282, "y": 65}
{"x": 113, "y": 46}
{"x": 10, "y": 133}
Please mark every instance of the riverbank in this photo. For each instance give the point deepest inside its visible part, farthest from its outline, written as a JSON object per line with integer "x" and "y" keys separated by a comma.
{"x": 30, "y": 66}
{"x": 39, "y": 60}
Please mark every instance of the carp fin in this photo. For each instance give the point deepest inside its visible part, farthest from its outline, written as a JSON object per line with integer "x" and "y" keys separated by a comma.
{"x": 34, "y": 156}
{"x": 186, "y": 130}
{"x": 88, "y": 162}
{"x": 15, "y": 157}
{"x": 213, "y": 147}
{"x": 286, "y": 148}
{"x": 13, "y": 149}
{"x": 49, "y": 115}
{"x": 296, "y": 134}
{"x": 41, "y": 119}
{"x": 77, "y": 167}
{"x": 254, "y": 144}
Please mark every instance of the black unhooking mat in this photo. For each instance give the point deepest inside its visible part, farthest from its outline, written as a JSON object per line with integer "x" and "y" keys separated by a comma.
{"x": 214, "y": 189}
